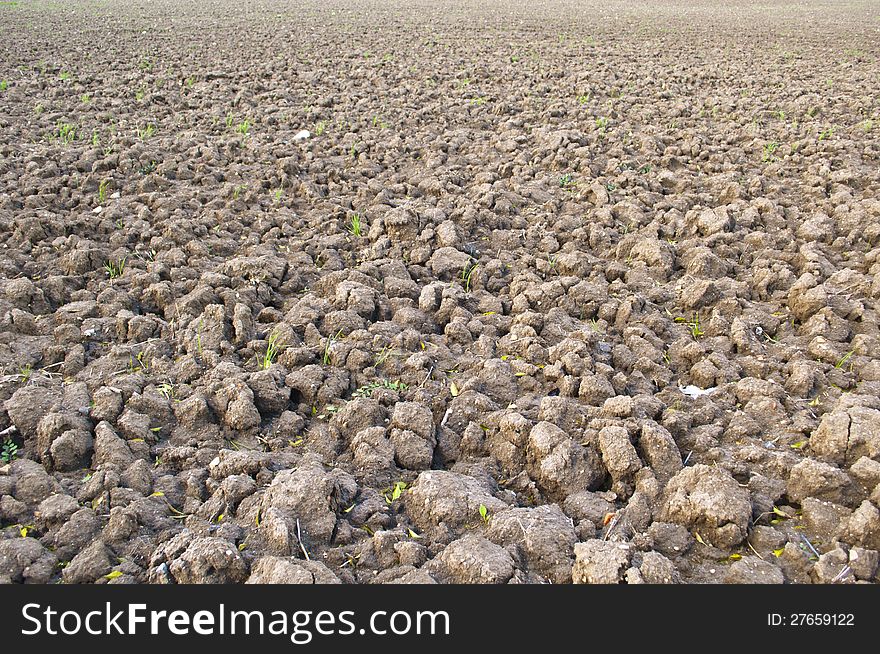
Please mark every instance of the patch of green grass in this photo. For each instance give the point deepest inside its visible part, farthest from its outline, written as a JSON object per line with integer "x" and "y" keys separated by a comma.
{"x": 842, "y": 362}
{"x": 367, "y": 389}
{"x": 3, "y": 85}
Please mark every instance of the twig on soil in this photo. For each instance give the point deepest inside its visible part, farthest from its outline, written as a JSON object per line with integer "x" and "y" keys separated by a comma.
{"x": 9, "y": 430}
{"x": 810, "y": 545}
{"x": 611, "y": 527}
{"x": 299, "y": 538}
{"x": 687, "y": 458}
{"x": 428, "y": 376}
{"x": 840, "y": 576}
{"x": 754, "y": 550}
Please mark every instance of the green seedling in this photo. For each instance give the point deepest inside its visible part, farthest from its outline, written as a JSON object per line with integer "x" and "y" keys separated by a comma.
{"x": 3, "y": 85}
{"x": 484, "y": 514}
{"x": 9, "y": 451}
{"x": 367, "y": 389}
{"x": 769, "y": 149}
{"x": 167, "y": 390}
{"x": 278, "y": 195}
{"x": 566, "y": 181}
{"x": 115, "y": 269}
{"x": 602, "y": 124}
{"x": 826, "y": 133}
{"x": 842, "y": 362}
{"x": 102, "y": 190}
{"x": 393, "y": 494}
{"x": 146, "y": 132}
{"x": 584, "y": 99}
{"x": 65, "y": 76}
{"x": 244, "y": 127}
{"x": 328, "y": 346}
{"x": 320, "y": 127}
{"x": 273, "y": 349}
{"x": 230, "y": 120}
{"x": 85, "y": 98}
{"x": 384, "y": 354}
{"x": 467, "y": 275}
{"x": 140, "y": 94}
{"x": 24, "y": 373}
{"x": 693, "y": 325}
{"x": 190, "y": 82}
{"x": 66, "y": 133}
{"x": 355, "y": 227}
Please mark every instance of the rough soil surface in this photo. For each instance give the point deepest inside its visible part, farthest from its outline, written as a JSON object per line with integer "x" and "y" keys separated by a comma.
{"x": 580, "y": 292}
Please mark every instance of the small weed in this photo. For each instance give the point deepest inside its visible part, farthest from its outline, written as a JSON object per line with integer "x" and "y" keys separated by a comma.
{"x": 190, "y": 82}
{"x": 244, "y": 127}
{"x": 467, "y": 275}
{"x": 65, "y": 76}
{"x": 146, "y": 132}
{"x": 602, "y": 125}
{"x": 826, "y": 133}
{"x": 85, "y": 98}
{"x": 842, "y": 362}
{"x": 566, "y": 181}
{"x": 9, "y": 451}
{"x": 393, "y": 494}
{"x": 367, "y": 389}
{"x": 140, "y": 94}
{"x": 3, "y": 85}
{"x": 24, "y": 373}
{"x": 584, "y": 99}
{"x": 693, "y": 325}
{"x": 769, "y": 149}
{"x": 320, "y": 127}
{"x": 484, "y": 514}
{"x": 230, "y": 120}
{"x": 328, "y": 346}
{"x": 102, "y": 191}
{"x": 167, "y": 390}
{"x": 355, "y": 227}
{"x": 115, "y": 269}
{"x": 278, "y": 195}
{"x": 273, "y": 349}
{"x": 66, "y": 133}
{"x": 138, "y": 363}
{"x": 384, "y": 354}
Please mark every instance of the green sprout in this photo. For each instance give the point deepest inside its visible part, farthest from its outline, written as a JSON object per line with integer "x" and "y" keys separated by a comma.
{"x": 9, "y": 451}
{"x": 66, "y": 133}
{"x": 484, "y": 514}
{"x": 115, "y": 269}
{"x": 146, "y": 132}
{"x": 393, "y": 494}
{"x": 467, "y": 274}
{"x": 355, "y": 227}
{"x": 243, "y": 127}
{"x": 102, "y": 190}
{"x": 769, "y": 149}
{"x": 602, "y": 124}
{"x": 273, "y": 349}
{"x": 320, "y": 127}
{"x": 329, "y": 345}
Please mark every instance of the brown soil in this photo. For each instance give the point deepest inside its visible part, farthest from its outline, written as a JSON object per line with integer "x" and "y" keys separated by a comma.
{"x": 461, "y": 332}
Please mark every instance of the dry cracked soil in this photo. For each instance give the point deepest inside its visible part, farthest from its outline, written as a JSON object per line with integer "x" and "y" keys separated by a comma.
{"x": 416, "y": 292}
